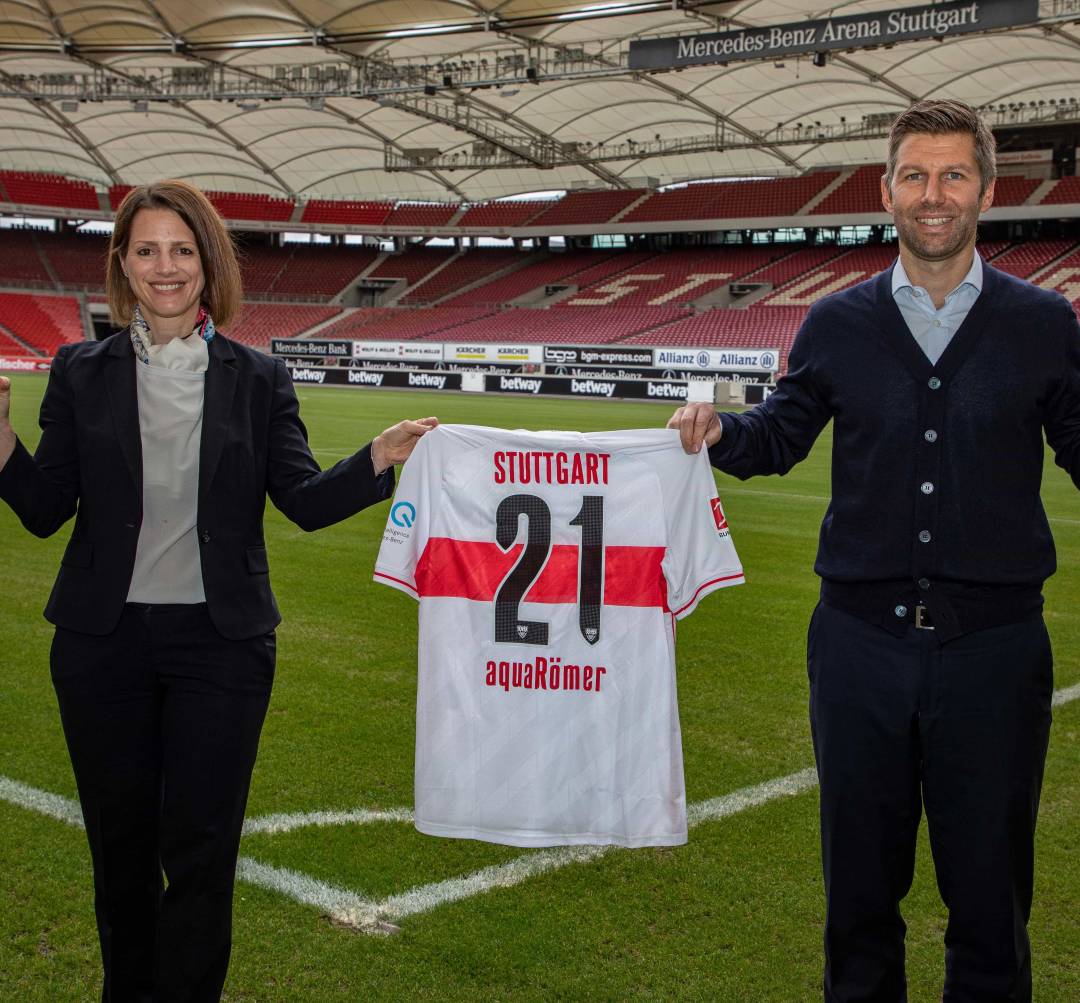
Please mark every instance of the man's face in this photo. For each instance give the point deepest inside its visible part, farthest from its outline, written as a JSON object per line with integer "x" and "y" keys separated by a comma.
{"x": 933, "y": 195}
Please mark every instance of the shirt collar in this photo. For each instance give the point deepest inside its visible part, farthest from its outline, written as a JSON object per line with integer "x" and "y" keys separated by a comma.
{"x": 974, "y": 277}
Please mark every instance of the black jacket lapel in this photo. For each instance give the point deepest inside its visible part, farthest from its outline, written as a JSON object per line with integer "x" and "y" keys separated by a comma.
{"x": 217, "y": 406}
{"x": 124, "y": 401}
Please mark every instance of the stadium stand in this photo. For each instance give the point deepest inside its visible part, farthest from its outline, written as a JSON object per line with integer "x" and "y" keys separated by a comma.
{"x": 259, "y": 322}
{"x": 557, "y": 268}
{"x": 675, "y": 277}
{"x": 754, "y": 328}
{"x": 585, "y": 208}
{"x": 345, "y": 212}
{"x": 77, "y": 259}
{"x": 1026, "y": 259}
{"x": 400, "y": 324}
{"x": 461, "y": 272}
{"x": 246, "y": 205}
{"x": 413, "y": 264}
{"x": 20, "y": 262}
{"x": 1014, "y": 191}
{"x": 12, "y": 349}
{"x": 588, "y": 325}
{"x": 260, "y": 266}
{"x": 990, "y": 249}
{"x": 316, "y": 270}
{"x": 1066, "y": 191}
{"x": 497, "y": 215}
{"x": 1064, "y": 276}
{"x": 861, "y": 192}
{"x": 302, "y": 271}
{"x": 116, "y": 195}
{"x": 732, "y": 199}
{"x": 406, "y": 215}
{"x": 792, "y": 265}
{"x": 839, "y": 273}
{"x": 33, "y": 188}
{"x": 42, "y": 322}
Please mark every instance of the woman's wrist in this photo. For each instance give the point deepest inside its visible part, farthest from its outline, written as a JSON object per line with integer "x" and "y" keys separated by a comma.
{"x": 378, "y": 456}
{"x": 7, "y": 443}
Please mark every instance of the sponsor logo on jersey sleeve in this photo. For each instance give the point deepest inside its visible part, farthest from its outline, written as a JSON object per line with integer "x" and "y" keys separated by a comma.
{"x": 718, "y": 516}
{"x": 399, "y": 526}
{"x": 404, "y": 514}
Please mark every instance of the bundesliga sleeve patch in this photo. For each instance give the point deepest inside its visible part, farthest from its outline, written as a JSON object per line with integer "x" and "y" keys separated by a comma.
{"x": 550, "y": 568}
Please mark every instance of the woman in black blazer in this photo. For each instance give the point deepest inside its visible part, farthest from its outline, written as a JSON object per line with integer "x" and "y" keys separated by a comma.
{"x": 163, "y": 441}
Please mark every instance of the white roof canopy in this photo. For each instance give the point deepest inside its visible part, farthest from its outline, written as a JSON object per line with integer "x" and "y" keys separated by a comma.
{"x": 294, "y": 142}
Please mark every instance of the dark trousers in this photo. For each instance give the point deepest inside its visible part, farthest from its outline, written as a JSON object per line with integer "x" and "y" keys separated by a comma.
{"x": 961, "y": 728}
{"x": 162, "y": 721}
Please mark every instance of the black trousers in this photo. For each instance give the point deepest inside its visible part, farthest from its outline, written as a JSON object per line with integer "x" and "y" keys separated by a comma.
{"x": 902, "y": 723}
{"x": 162, "y": 720}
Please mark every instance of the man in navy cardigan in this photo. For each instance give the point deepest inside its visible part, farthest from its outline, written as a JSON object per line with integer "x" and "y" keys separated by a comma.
{"x": 930, "y": 668}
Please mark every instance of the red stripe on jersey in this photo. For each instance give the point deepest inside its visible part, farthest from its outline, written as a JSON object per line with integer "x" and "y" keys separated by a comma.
{"x": 474, "y": 570}
{"x": 705, "y": 585}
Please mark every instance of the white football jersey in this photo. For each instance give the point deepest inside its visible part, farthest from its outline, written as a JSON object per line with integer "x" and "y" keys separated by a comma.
{"x": 550, "y": 569}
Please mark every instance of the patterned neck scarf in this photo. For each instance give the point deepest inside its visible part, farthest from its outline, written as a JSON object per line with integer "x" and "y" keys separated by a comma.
{"x": 141, "y": 338}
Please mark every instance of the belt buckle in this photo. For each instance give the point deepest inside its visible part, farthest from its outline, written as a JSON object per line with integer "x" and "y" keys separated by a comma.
{"x": 920, "y": 612}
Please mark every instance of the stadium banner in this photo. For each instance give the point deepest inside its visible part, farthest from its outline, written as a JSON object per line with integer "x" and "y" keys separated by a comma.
{"x": 36, "y": 365}
{"x": 311, "y": 348}
{"x": 540, "y": 386}
{"x": 884, "y": 27}
{"x": 454, "y": 367}
{"x": 1012, "y": 158}
{"x": 397, "y": 378}
{"x": 416, "y": 350}
{"x": 623, "y": 355}
{"x": 458, "y": 352}
{"x": 653, "y": 373}
{"x": 758, "y": 360}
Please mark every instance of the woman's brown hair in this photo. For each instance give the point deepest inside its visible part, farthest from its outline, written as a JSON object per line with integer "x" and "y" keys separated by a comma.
{"x": 223, "y": 291}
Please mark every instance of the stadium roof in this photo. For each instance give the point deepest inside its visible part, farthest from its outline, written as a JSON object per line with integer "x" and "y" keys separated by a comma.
{"x": 521, "y": 95}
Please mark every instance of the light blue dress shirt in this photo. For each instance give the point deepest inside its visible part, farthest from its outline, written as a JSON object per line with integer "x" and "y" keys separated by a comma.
{"x": 931, "y": 328}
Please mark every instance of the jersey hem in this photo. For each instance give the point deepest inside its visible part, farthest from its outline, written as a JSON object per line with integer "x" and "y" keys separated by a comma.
{"x": 723, "y": 582}
{"x": 395, "y": 583}
{"x": 547, "y": 839}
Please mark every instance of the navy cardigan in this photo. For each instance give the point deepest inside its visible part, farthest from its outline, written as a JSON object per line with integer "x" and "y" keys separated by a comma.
{"x": 936, "y": 469}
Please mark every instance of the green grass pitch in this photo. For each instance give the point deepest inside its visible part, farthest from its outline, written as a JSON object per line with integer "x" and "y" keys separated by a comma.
{"x": 736, "y": 915}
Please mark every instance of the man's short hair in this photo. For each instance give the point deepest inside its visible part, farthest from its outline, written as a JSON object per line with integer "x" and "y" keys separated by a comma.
{"x": 939, "y": 118}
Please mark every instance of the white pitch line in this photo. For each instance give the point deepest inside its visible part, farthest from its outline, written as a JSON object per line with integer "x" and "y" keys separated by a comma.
{"x": 1066, "y": 695}
{"x": 372, "y": 916}
{"x": 340, "y": 903}
{"x": 278, "y": 823}
{"x": 52, "y": 805}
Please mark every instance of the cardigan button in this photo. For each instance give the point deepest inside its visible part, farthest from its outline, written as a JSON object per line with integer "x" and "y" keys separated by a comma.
{"x": 924, "y": 536}
{"x": 205, "y": 536}
{"x": 930, "y": 435}
{"x": 927, "y": 488}
{"x": 923, "y": 583}
{"x": 901, "y": 612}
{"x": 933, "y": 383}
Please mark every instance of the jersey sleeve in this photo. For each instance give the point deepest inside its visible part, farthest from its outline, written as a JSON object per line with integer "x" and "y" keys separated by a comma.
{"x": 699, "y": 557}
{"x": 409, "y": 522}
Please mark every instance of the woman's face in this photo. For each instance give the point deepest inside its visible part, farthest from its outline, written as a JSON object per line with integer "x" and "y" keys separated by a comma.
{"x": 162, "y": 265}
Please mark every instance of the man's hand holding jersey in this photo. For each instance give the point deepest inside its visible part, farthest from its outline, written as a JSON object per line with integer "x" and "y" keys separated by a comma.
{"x": 395, "y": 445}
{"x": 697, "y": 424}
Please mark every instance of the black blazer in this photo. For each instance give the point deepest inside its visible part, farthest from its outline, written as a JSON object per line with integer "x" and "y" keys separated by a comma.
{"x": 89, "y": 464}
